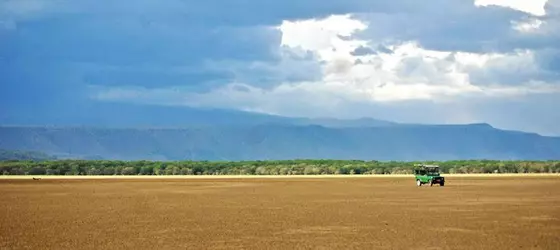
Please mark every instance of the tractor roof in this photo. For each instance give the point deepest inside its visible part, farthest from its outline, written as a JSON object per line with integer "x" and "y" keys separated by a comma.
{"x": 426, "y": 166}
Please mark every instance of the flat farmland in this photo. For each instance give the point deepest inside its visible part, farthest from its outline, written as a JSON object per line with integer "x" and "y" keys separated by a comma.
{"x": 475, "y": 212}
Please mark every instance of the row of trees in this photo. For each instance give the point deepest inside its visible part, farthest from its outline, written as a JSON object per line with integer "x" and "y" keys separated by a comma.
{"x": 287, "y": 167}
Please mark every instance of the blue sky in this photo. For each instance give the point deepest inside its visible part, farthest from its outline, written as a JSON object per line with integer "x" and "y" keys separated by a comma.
{"x": 437, "y": 61}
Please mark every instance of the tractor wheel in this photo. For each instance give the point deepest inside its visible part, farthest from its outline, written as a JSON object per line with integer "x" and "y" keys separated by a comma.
{"x": 431, "y": 183}
{"x": 442, "y": 183}
{"x": 418, "y": 183}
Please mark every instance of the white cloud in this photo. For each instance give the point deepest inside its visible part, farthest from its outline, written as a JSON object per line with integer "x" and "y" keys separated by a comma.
{"x": 527, "y": 26}
{"x": 534, "y": 7}
{"x": 409, "y": 73}
{"x": 323, "y": 36}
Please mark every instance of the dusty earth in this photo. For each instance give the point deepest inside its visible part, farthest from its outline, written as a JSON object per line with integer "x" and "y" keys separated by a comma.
{"x": 336, "y": 213}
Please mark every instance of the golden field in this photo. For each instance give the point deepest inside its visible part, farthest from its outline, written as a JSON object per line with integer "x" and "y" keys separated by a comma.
{"x": 273, "y": 212}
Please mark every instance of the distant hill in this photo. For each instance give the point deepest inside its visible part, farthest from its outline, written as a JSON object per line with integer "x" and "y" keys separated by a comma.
{"x": 10, "y": 155}
{"x": 284, "y": 141}
{"x": 135, "y": 132}
{"x": 341, "y": 123}
{"x": 119, "y": 115}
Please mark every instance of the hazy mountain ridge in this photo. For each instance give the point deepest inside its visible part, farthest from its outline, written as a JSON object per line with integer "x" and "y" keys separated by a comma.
{"x": 7, "y": 155}
{"x": 131, "y": 132}
{"x": 283, "y": 141}
{"x": 120, "y": 115}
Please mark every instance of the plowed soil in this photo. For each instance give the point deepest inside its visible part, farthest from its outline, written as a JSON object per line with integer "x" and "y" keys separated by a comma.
{"x": 336, "y": 213}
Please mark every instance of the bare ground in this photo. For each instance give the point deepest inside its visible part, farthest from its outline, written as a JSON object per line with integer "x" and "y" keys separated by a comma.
{"x": 281, "y": 213}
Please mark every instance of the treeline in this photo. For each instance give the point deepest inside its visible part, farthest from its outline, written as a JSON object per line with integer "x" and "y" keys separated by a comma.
{"x": 286, "y": 167}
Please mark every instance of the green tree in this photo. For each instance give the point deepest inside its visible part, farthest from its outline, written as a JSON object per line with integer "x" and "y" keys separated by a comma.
{"x": 129, "y": 171}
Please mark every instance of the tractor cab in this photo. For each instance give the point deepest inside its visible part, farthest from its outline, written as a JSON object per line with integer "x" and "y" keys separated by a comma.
{"x": 425, "y": 174}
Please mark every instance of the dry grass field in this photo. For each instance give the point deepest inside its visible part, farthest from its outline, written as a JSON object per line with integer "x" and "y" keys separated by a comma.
{"x": 280, "y": 213}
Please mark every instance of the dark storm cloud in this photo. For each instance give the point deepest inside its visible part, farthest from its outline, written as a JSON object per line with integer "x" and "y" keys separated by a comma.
{"x": 362, "y": 51}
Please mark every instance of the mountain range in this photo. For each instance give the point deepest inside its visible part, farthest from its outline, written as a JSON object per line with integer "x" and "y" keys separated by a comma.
{"x": 142, "y": 132}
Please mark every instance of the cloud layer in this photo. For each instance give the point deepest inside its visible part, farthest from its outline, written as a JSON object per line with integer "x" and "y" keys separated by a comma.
{"x": 478, "y": 61}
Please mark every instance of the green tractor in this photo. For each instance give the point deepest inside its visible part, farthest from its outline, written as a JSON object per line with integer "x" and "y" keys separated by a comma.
{"x": 428, "y": 174}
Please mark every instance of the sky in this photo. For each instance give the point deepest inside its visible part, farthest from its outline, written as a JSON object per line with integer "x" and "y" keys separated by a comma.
{"x": 435, "y": 61}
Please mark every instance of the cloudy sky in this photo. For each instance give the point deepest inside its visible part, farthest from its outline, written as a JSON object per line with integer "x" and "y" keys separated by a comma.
{"x": 434, "y": 61}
